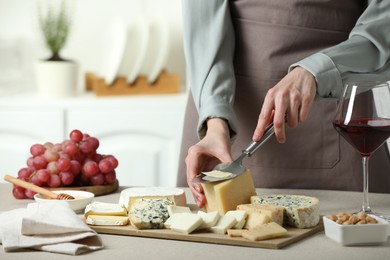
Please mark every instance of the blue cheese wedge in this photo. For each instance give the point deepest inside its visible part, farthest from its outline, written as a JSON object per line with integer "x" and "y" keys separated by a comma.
{"x": 149, "y": 212}
{"x": 101, "y": 220}
{"x": 107, "y": 209}
{"x": 299, "y": 211}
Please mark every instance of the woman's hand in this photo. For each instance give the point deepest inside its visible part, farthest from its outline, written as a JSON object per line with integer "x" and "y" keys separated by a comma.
{"x": 203, "y": 156}
{"x": 293, "y": 97}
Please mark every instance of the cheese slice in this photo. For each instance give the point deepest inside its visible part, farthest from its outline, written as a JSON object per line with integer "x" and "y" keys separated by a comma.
{"x": 266, "y": 231}
{"x": 107, "y": 209}
{"x": 209, "y": 219}
{"x": 218, "y": 174}
{"x": 172, "y": 209}
{"x": 101, "y": 220}
{"x": 235, "y": 232}
{"x": 226, "y": 195}
{"x": 223, "y": 224}
{"x": 300, "y": 211}
{"x": 240, "y": 216}
{"x": 275, "y": 213}
{"x": 185, "y": 222}
{"x": 149, "y": 212}
{"x": 178, "y": 194}
{"x": 256, "y": 219}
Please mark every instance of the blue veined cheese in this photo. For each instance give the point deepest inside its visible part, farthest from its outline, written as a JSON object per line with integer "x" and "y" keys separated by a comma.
{"x": 299, "y": 211}
{"x": 149, "y": 212}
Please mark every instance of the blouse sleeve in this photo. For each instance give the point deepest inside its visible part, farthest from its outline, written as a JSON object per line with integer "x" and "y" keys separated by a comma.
{"x": 209, "y": 50}
{"x": 364, "y": 56}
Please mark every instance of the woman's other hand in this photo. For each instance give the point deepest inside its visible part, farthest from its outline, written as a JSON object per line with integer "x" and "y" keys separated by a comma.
{"x": 293, "y": 97}
{"x": 207, "y": 153}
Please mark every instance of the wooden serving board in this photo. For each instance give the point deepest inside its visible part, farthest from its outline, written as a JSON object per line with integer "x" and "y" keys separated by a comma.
{"x": 294, "y": 235}
{"x": 97, "y": 190}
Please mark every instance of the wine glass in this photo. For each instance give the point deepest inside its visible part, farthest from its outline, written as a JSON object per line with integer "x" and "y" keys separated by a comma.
{"x": 363, "y": 119}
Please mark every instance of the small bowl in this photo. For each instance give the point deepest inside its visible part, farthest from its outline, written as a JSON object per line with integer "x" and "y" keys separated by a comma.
{"x": 82, "y": 199}
{"x": 352, "y": 235}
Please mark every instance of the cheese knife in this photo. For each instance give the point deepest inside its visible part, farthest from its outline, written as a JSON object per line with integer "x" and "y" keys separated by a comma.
{"x": 236, "y": 167}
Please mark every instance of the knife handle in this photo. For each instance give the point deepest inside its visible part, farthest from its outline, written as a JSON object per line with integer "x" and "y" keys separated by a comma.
{"x": 253, "y": 146}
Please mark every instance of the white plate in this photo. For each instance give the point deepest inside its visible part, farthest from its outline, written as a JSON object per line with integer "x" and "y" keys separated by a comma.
{"x": 135, "y": 50}
{"x": 157, "y": 51}
{"x": 114, "y": 42}
{"x": 82, "y": 199}
{"x": 351, "y": 235}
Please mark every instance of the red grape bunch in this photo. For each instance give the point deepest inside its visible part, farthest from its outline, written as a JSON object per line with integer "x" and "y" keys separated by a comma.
{"x": 74, "y": 162}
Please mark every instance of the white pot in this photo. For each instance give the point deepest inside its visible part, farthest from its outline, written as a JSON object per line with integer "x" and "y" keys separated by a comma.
{"x": 56, "y": 79}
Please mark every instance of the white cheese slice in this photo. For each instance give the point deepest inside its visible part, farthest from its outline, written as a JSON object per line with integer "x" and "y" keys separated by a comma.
{"x": 178, "y": 194}
{"x": 209, "y": 219}
{"x": 185, "y": 222}
{"x": 240, "y": 216}
{"x": 102, "y": 208}
{"x": 100, "y": 220}
{"x": 218, "y": 174}
{"x": 223, "y": 224}
{"x": 172, "y": 209}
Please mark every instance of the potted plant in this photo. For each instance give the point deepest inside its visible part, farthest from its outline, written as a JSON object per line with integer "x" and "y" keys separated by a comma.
{"x": 56, "y": 77}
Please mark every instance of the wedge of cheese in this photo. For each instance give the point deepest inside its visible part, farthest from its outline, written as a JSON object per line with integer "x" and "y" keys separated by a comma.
{"x": 299, "y": 211}
{"x": 176, "y": 193}
{"x": 226, "y": 195}
{"x": 107, "y": 209}
{"x": 274, "y": 213}
{"x": 149, "y": 212}
{"x": 101, "y": 220}
{"x": 185, "y": 222}
{"x": 256, "y": 219}
{"x": 209, "y": 219}
{"x": 224, "y": 223}
{"x": 266, "y": 231}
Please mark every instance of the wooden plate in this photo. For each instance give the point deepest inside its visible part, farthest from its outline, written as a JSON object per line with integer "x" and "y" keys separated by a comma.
{"x": 97, "y": 190}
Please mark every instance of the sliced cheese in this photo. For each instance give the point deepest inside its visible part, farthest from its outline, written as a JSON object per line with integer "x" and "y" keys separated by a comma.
{"x": 218, "y": 174}
{"x": 224, "y": 223}
{"x": 240, "y": 216}
{"x": 266, "y": 231}
{"x": 209, "y": 219}
{"x": 256, "y": 219}
{"x": 127, "y": 194}
{"x": 299, "y": 211}
{"x": 185, "y": 222}
{"x": 149, "y": 212}
{"x": 275, "y": 213}
{"x": 101, "y": 220}
{"x": 172, "y": 209}
{"x": 107, "y": 209}
{"x": 226, "y": 195}
{"x": 235, "y": 232}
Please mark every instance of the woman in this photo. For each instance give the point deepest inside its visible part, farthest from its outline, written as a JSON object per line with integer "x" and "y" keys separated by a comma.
{"x": 253, "y": 62}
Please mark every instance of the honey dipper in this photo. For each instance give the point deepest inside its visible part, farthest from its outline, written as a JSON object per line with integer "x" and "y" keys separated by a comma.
{"x": 37, "y": 189}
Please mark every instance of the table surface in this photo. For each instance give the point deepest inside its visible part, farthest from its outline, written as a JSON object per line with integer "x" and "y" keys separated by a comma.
{"x": 317, "y": 246}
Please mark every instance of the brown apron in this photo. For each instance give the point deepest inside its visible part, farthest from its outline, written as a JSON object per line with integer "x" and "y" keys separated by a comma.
{"x": 271, "y": 35}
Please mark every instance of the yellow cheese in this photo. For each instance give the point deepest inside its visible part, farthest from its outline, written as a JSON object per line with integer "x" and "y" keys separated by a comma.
{"x": 107, "y": 209}
{"x": 256, "y": 219}
{"x": 235, "y": 232}
{"x": 100, "y": 220}
{"x": 226, "y": 195}
{"x": 275, "y": 213}
{"x": 266, "y": 231}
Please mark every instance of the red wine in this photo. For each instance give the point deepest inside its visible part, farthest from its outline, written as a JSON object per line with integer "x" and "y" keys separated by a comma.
{"x": 365, "y": 134}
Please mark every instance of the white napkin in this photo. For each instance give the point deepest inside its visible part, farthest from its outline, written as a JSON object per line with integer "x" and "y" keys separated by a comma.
{"x": 51, "y": 227}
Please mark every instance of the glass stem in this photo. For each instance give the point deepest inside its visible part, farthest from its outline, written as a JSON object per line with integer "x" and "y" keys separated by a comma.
{"x": 365, "y": 206}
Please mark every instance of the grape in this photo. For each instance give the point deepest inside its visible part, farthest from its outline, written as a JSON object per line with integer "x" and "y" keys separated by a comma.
{"x": 54, "y": 181}
{"x": 110, "y": 177}
{"x": 29, "y": 194}
{"x": 35, "y": 180}
{"x": 113, "y": 160}
{"x": 64, "y": 164}
{"x": 85, "y": 136}
{"x": 75, "y": 167}
{"x": 66, "y": 178}
{"x": 86, "y": 147}
{"x": 105, "y": 166}
{"x": 71, "y": 149}
{"x": 97, "y": 157}
{"x": 39, "y": 162}
{"x": 90, "y": 169}
{"x": 43, "y": 175}
{"x": 51, "y": 155}
{"x": 52, "y": 168}
{"x": 19, "y": 192}
{"x": 37, "y": 149}
{"x": 97, "y": 179}
{"x": 57, "y": 147}
{"x": 94, "y": 142}
{"x": 30, "y": 162}
{"x": 48, "y": 145}
{"x": 76, "y": 136}
{"x": 80, "y": 157}
{"x": 24, "y": 173}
